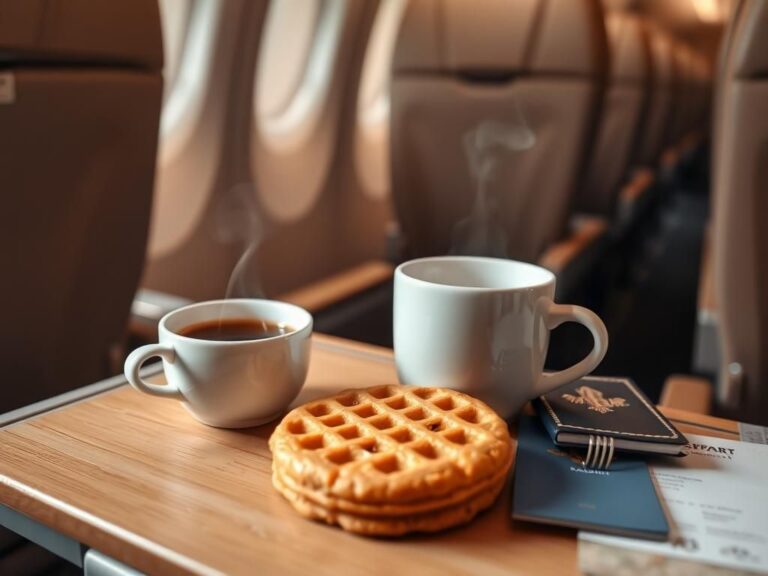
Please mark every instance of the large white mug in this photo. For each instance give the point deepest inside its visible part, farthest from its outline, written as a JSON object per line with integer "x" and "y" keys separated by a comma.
{"x": 229, "y": 384}
{"x": 481, "y": 325}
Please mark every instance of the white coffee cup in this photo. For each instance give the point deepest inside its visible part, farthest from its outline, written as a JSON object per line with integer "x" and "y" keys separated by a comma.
{"x": 229, "y": 384}
{"x": 481, "y": 325}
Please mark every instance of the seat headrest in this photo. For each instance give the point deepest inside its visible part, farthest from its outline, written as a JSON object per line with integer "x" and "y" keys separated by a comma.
{"x": 629, "y": 55}
{"x": 661, "y": 56}
{"x": 502, "y": 37}
{"x": 750, "y": 44}
{"x": 93, "y": 32}
{"x": 681, "y": 63}
{"x": 702, "y": 69}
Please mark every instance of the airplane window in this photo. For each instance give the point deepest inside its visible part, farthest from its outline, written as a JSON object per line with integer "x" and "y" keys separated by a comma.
{"x": 190, "y": 49}
{"x": 301, "y": 40}
{"x": 372, "y": 133}
{"x": 190, "y": 31}
{"x": 174, "y": 17}
{"x": 284, "y": 57}
{"x": 294, "y": 77}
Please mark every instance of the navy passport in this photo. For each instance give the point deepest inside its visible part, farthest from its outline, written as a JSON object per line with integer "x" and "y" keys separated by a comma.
{"x": 608, "y": 407}
{"x": 552, "y": 487}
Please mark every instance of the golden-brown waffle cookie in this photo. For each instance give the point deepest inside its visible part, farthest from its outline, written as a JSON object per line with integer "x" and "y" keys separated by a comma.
{"x": 391, "y": 444}
{"x": 333, "y": 504}
{"x": 433, "y": 521}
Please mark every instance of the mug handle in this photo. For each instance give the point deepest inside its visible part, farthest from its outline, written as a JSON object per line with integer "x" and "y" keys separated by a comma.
{"x": 556, "y": 314}
{"x": 133, "y": 367}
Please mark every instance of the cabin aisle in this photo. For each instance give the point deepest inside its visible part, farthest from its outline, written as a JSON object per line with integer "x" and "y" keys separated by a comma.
{"x": 652, "y": 327}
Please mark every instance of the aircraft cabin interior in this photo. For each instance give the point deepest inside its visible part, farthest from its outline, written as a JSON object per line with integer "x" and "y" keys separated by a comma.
{"x": 384, "y": 287}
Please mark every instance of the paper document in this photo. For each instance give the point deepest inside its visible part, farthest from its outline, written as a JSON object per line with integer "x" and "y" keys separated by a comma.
{"x": 716, "y": 499}
{"x": 752, "y": 433}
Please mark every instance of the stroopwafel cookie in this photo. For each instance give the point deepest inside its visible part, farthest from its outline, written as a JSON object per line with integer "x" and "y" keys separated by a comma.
{"x": 391, "y": 459}
{"x": 371, "y": 525}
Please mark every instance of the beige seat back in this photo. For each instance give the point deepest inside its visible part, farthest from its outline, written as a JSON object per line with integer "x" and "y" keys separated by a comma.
{"x": 740, "y": 182}
{"x": 697, "y": 83}
{"x": 623, "y": 106}
{"x": 531, "y": 65}
{"x": 702, "y": 96}
{"x": 79, "y": 111}
{"x": 677, "y": 115}
{"x": 682, "y": 120}
{"x": 656, "y": 121}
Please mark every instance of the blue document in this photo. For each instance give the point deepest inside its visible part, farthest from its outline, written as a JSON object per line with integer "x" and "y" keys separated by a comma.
{"x": 552, "y": 487}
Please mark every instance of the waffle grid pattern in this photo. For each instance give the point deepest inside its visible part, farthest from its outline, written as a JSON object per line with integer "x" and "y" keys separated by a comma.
{"x": 390, "y": 433}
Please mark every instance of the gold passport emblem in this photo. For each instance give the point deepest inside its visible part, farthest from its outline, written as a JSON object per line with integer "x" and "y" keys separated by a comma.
{"x": 595, "y": 400}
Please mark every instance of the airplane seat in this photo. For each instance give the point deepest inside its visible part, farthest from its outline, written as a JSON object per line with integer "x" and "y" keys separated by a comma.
{"x": 704, "y": 94}
{"x": 696, "y": 120}
{"x": 740, "y": 185}
{"x": 680, "y": 141}
{"x": 513, "y": 88}
{"x": 652, "y": 138}
{"x": 640, "y": 189}
{"x": 708, "y": 360}
{"x": 684, "y": 101}
{"x": 624, "y": 104}
{"x": 671, "y": 130}
{"x": 703, "y": 89}
{"x": 696, "y": 116}
{"x": 80, "y": 94}
{"x": 695, "y": 141}
{"x": 690, "y": 126}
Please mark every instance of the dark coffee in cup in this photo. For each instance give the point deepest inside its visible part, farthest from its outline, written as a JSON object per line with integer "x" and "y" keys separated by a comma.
{"x": 235, "y": 329}
{"x": 233, "y": 363}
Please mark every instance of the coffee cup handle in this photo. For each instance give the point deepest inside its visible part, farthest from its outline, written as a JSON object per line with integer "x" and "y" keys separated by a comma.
{"x": 556, "y": 314}
{"x": 133, "y": 366}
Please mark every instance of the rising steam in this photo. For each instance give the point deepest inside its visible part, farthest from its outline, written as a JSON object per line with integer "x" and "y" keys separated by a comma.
{"x": 238, "y": 222}
{"x": 486, "y": 145}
